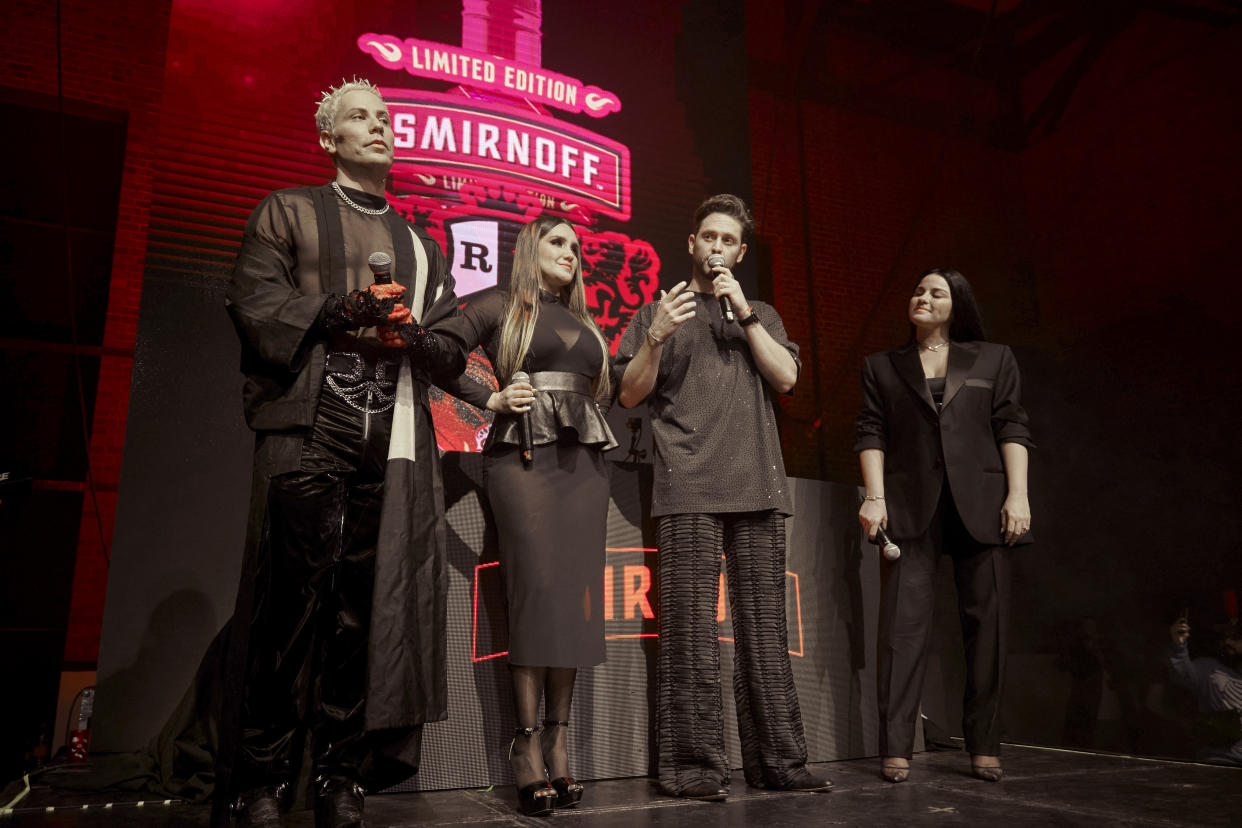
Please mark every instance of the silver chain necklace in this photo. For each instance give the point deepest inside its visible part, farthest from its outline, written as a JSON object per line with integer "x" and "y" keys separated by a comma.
{"x": 366, "y": 211}
{"x": 934, "y": 348}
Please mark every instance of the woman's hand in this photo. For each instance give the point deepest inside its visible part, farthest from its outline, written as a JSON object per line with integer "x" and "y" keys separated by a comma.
{"x": 1015, "y": 518}
{"x": 871, "y": 514}
{"x": 515, "y": 398}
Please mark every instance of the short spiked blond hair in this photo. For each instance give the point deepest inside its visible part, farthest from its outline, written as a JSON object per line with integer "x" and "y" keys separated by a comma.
{"x": 326, "y": 113}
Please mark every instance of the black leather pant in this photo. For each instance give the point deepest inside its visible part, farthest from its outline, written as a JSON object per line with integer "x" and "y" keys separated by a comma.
{"x": 690, "y": 730}
{"x": 907, "y": 600}
{"x": 308, "y": 651}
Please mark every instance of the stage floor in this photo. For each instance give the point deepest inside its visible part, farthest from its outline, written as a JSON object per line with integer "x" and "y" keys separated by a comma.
{"x": 1041, "y": 787}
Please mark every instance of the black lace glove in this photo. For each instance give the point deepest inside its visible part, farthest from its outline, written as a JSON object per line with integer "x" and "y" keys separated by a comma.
{"x": 422, "y": 345}
{"x": 357, "y": 309}
{"x": 430, "y": 352}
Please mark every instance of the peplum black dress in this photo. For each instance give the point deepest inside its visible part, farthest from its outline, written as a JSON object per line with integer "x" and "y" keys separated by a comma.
{"x": 551, "y": 515}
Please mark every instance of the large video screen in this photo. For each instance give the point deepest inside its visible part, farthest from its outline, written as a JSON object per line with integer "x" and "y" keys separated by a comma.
{"x": 603, "y": 114}
{"x": 502, "y": 111}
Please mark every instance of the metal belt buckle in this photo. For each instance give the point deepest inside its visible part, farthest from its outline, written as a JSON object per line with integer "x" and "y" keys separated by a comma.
{"x": 358, "y": 365}
{"x": 369, "y": 396}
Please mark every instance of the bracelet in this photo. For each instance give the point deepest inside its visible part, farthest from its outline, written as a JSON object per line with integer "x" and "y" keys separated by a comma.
{"x": 654, "y": 338}
{"x": 750, "y": 318}
{"x": 874, "y": 497}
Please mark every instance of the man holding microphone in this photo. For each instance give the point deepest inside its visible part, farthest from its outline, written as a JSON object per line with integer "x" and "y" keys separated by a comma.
{"x": 709, "y": 363}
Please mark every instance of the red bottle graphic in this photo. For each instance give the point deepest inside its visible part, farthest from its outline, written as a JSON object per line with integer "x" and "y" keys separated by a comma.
{"x": 477, "y": 163}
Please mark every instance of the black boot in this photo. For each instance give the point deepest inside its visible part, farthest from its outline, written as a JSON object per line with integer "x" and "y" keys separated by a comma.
{"x": 258, "y": 808}
{"x": 338, "y": 803}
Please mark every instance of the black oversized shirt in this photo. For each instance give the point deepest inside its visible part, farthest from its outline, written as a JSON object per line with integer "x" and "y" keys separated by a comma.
{"x": 713, "y": 417}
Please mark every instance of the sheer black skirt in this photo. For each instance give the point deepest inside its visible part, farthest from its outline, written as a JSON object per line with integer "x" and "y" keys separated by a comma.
{"x": 552, "y": 520}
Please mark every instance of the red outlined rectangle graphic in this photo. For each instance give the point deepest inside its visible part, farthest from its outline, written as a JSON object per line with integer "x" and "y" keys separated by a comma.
{"x": 474, "y": 632}
{"x": 633, "y": 605}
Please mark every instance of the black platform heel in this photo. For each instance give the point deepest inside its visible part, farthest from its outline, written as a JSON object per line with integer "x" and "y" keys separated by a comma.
{"x": 538, "y": 798}
{"x": 568, "y": 790}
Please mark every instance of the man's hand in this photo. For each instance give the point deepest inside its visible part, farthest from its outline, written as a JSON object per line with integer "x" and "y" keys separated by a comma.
{"x": 388, "y": 336}
{"x": 672, "y": 309}
{"x": 675, "y": 307}
{"x": 423, "y": 347}
{"x": 362, "y": 308}
{"x": 514, "y": 398}
{"x": 391, "y": 290}
{"x": 725, "y": 285}
{"x": 1180, "y": 631}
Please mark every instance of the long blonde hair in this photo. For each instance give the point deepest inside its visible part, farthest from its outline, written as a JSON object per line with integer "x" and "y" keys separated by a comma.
{"x": 522, "y": 307}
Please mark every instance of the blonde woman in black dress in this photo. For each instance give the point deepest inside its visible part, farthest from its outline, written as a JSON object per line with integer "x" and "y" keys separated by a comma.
{"x": 550, "y": 509}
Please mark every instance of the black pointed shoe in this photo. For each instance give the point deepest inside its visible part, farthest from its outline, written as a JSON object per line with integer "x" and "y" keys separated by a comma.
{"x": 338, "y": 803}
{"x": 705, "y": 792}
{"x": 803, "y": 780}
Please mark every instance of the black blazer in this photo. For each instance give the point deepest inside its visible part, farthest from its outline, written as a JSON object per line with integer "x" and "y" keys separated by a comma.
{"x": 981, "y": 410}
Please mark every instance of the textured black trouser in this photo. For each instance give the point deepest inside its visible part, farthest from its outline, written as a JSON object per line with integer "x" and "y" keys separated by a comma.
{"x": 907, "y": 601}
{"x": 690, "y": 729}
{"x": 308, "y": 652}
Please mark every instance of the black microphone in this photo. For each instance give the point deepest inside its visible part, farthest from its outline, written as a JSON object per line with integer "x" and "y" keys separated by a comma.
{"x": 381, "y": 265}
{"x": 726, "y": 306}
{"x": 891, "y": 550}
{"x": 526, "y": 436}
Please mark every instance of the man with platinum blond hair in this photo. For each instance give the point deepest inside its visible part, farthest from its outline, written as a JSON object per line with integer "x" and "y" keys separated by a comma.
{"x": 335, "y": 644}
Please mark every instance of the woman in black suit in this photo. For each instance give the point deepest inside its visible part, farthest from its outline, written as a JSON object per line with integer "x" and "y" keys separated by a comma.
{"x": 943, "y": 439}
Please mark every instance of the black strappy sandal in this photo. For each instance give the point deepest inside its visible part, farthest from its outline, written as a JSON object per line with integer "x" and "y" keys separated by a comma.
{"x": 538, "y": 798}
{"x": 568, "y": 790}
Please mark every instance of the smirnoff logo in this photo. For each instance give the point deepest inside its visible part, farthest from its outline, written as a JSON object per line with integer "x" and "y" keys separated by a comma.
{"x": 476, "y": 162}
{"x": 437, "y": 133}
{"x": 440, "y": 61}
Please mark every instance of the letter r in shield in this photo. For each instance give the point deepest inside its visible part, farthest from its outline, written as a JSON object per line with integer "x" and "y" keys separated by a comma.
{"x": 475, "y": 254}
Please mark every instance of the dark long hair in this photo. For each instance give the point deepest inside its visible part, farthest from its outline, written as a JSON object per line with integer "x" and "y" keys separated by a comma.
{"x": 966, "y": 321}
